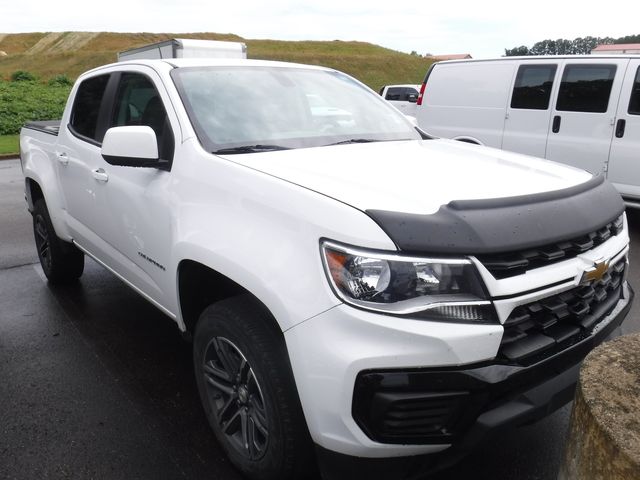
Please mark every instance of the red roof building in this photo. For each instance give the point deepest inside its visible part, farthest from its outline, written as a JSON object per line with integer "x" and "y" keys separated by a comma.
{"x": 455, "y": 56}
{"x": 620, "y": 48}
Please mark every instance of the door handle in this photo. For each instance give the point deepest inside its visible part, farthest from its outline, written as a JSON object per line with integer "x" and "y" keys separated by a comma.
{"x": 63, "y": 158}
{"x": 100, "y": 175}
{"x": 620, "y": 126}
{"x": 555, "y": 128}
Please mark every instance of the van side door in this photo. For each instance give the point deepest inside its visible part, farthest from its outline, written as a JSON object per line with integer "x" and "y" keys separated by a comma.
{"x": 583, "y": 117}
{"x": 624, "y": 159}
{"x": 529, "y": 111}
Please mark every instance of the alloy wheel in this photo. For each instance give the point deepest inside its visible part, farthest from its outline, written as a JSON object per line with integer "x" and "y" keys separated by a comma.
{"x": 236, "y": 398}
{"x": 42, "y": 241}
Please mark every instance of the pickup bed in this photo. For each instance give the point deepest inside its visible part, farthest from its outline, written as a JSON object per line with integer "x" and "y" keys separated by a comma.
{"x": 360, "y": 296}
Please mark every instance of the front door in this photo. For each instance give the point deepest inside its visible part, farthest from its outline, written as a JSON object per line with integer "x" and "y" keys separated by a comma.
{"x": 624, "y": 159}
{"x": 137, "y": 223}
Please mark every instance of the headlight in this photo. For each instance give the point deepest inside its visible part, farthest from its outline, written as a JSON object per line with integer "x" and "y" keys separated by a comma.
{"x": 430, "y": 288}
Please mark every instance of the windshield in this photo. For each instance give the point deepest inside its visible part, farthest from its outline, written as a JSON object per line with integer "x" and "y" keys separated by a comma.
{"x": 251, "y": 109}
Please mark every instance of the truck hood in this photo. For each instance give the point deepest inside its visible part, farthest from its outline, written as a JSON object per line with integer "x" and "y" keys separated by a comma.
{"x": 415, "y": 177}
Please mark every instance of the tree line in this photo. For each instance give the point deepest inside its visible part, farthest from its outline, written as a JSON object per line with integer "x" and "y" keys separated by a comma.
{"x": 561, "y": 46}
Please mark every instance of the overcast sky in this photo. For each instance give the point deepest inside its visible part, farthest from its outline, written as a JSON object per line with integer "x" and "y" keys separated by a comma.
{"x": 482, "y": 28}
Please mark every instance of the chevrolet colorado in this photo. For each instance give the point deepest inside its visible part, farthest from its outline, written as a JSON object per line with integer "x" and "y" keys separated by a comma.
{"x": 357, "y": 292}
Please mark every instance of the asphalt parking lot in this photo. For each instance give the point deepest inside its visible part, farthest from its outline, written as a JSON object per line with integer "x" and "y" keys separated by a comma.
{"x": 95, "y": 383}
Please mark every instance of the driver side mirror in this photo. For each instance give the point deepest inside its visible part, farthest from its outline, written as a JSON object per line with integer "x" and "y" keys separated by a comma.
{"x": 132, "y": 146}
{"x": 412, "y": 97}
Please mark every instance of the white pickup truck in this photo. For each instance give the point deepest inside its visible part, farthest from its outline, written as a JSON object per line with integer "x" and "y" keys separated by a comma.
{"x": 358, "y": 293}
{"x": 403, "y": 97}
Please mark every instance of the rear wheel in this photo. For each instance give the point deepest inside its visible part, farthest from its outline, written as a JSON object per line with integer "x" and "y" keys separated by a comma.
{"x": 61, "y": 261}
{"x": 247, "y": 391}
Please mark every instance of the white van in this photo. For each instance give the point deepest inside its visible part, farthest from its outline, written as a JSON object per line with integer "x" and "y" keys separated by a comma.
{"x": 579, "y": 110}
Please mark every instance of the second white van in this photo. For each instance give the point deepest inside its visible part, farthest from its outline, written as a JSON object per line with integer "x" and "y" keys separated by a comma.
{"x": 579, "y": 110}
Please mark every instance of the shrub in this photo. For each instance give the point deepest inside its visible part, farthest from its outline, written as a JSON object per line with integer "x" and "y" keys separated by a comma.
{"x": 60, "y": 81}
{"x": 22, "y": 102}
{"x": 22, "y": 76}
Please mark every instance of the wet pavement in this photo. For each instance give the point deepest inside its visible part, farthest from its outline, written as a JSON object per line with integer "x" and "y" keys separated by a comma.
{"x": 95, "y": 383}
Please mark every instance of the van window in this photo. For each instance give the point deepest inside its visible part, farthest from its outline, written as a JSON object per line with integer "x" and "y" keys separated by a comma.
{"x": 533, "y": 87}
{"x": 84, "y": 117}
{"x": 634, "y": 103}
{"x": 586, "y": 88}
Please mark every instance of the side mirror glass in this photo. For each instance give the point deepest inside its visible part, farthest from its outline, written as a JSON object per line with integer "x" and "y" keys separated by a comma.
{"x": 412, "y": 97}
{"x": 131, "y": 146}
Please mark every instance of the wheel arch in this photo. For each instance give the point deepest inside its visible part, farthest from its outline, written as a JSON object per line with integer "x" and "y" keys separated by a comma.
{"x": 33, "y": 192}
{"x": 467, "y": 139}
{"x": 200, "y": 286}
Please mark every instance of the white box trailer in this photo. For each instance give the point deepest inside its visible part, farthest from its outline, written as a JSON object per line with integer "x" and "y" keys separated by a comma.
{"x": 185, "y": 48}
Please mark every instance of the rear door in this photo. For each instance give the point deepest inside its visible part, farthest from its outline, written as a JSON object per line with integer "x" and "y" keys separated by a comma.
{"x": 582, "y": 121}
{"x": 78, "y": 159}
{"x": 529, "y": 111}
{"x": 624, "y": 159}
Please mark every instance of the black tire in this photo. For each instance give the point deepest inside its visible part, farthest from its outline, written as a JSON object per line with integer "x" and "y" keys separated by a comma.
{"x": 248, "y": 393}
{"x": 61, "y": 261}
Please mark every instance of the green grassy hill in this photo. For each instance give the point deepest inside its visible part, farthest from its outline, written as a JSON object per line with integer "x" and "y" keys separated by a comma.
{"x": 71, "y": 53}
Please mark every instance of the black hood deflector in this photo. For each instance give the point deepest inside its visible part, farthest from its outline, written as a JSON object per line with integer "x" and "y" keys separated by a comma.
{"x": 501, "y": 225}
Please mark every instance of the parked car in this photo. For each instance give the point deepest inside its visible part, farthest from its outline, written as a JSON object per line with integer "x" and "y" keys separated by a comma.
{"x": 362, "y": 295}
{"x": 403, "y": 97}
{"x": 579, "y": 110}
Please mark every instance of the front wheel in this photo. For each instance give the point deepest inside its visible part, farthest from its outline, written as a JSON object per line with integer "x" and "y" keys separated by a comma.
{"x": 61, "y": 261}
{"x": 247, "y": 391}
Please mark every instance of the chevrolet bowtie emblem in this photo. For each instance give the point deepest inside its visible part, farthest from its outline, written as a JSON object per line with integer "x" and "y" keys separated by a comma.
{"x": 595, "y": 273}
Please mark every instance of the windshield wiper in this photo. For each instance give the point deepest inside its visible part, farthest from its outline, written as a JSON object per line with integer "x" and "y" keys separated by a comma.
{"x": 250, "y": 149}
{"x": 355, "y": 140}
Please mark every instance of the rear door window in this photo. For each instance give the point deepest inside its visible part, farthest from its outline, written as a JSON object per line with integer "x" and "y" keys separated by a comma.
{"x": 634, "y": 102}
{"x": 532, "y": 89}
{"x": 86, "y": 107}
{"x": 586, "y": 88}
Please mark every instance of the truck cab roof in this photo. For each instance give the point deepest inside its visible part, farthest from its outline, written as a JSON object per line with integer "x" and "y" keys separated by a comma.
{"x": 171, "y": 63}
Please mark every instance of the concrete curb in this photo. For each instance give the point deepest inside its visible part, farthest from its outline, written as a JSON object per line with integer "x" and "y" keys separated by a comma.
{"x": 9, "y": 156}
{"x": 604, "y": 434}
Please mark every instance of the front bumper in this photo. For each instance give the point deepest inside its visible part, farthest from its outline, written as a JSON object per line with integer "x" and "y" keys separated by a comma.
{"x": 485, "y": 399}
{"x": 353, "y": 367}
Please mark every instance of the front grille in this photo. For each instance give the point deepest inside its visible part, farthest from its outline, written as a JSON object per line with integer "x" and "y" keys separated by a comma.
{"x": 554, "y": 323}
{"x": 516, "y": 263}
